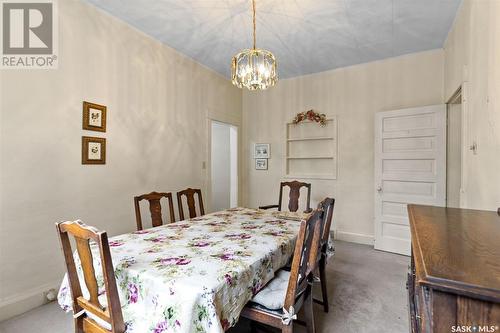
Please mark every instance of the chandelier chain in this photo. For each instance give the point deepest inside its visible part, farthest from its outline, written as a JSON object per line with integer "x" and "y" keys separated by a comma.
{"x": 254, "y": 26}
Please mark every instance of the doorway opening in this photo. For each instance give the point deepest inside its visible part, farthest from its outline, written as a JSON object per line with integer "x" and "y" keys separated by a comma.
{"x": 224, "y": 165}
{"x": 454, "y": 151}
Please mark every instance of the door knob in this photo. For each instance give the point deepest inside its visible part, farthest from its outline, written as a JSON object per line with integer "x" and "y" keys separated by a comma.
{"x": 379, "y": 188}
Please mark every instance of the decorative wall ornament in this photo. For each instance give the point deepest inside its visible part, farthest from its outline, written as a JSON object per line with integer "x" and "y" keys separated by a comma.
{"x": 311, "y": 116}
{"x": 93, "y": 150}
{"x": 94, "y": 117}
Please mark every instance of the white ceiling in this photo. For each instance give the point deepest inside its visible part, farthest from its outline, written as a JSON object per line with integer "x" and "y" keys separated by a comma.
{"x": 307, "y": 36}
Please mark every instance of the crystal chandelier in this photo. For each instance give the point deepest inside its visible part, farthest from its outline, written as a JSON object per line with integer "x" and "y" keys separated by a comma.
{"x": 254, "y": 68}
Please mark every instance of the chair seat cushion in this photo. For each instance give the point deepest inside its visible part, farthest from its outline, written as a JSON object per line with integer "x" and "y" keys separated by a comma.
{"x": 272, "y": 296}
{"x": 278, "y": 313}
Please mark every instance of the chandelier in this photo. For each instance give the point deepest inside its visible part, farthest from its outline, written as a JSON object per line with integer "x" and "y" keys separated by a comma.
{"x": 254, "y": 68}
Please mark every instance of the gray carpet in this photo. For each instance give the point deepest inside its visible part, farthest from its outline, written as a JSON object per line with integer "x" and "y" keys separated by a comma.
{"x": 366, "y": 288}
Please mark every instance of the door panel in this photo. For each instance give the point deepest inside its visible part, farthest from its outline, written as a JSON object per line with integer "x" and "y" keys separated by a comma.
{"x": 427, "y": 167}
{"x": 395, "y": 210}
{"x": 408, "y": 144}
{"x": 409, "y": 122}
{"x": 396, "y": 230}
{"x": 410, "y": 167}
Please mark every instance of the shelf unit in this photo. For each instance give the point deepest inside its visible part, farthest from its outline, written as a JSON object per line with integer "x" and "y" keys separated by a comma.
{"x": 311, "y": 150}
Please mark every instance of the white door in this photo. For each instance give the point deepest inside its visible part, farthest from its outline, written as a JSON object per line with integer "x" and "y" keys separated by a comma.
{"x": 224, "y": 166}
{"x": 410, "y": 167}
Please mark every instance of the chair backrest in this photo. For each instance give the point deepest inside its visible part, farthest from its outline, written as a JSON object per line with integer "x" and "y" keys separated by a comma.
{"x": 189, "y": 194}
{"x": 305, "y": 256}
{"x": 327, "y": 205}
{"x": 154, "y": 207}
{"x": 293, "y": 201}
{"x": 112, "y": 313}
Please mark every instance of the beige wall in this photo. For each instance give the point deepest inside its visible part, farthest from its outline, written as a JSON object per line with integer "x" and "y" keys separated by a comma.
{"x": 158, "y": 102}
{"x": 354, "y": 94}
{"x": 472, "y": 56}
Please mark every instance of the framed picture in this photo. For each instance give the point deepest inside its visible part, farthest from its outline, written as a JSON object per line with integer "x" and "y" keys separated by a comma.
{"x": 261, "y": 164}
{"x": 93, "y": 150}
{"x": 94, "y": 117}
{"x": 262, "y": 150}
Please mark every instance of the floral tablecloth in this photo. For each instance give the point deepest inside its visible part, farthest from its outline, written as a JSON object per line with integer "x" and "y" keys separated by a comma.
{"x": 194, "y": 275}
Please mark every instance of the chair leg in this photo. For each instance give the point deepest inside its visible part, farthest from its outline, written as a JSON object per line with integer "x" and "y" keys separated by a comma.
{"x": 287, "y": 329}
{"x": 322, "y": 276}
{"x": 309, "y": 312}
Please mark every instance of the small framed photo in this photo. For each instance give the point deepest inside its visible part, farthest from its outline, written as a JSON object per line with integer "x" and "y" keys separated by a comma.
{"x": 93, "y": 150}
{"x": 262, "y": 150}
{"x": 261, "y": 164}
{"x": 94, "y": 117}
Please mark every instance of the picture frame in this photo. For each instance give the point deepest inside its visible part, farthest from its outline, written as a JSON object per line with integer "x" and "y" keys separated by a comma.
{"x": 93, "y": 150}
{"x": 262, "y": 150}
{"x": 261, "y": 164}
{"x": 94, "y": 117}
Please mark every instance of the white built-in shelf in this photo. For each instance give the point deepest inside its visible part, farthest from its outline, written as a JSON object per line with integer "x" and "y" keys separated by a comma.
{"x": 311, "y": 150}
{"x": 307, "y": 139}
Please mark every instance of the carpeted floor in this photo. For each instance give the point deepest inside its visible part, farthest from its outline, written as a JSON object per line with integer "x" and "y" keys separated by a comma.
{"x": 366, "y": 288}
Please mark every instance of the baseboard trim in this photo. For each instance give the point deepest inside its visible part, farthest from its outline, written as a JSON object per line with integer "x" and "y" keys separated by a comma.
{"x": 20, "y": 303}
{"x": 354, "y": 237}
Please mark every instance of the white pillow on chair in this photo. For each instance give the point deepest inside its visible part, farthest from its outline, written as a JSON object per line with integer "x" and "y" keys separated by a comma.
{"x": 272, "y": 296}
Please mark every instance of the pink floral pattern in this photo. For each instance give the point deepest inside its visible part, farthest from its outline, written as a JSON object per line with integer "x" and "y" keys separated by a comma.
{"x": 195, "y": 275}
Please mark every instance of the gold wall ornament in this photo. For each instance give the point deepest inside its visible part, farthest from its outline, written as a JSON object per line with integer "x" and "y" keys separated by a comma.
{"x": 254, "y": 68}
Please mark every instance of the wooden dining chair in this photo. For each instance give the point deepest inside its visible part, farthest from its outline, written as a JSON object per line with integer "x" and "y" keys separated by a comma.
{"x": 90, "y": 315}
{"x": 327, "y": 206}
{"x": 189, "y": 193}
{"x": 154, "y": 199}
{"x": 281, "y": 299}
{"x": 293, "y": 201}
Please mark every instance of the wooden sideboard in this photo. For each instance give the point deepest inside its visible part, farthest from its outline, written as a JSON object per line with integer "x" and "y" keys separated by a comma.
{"x": 454, "y": 278}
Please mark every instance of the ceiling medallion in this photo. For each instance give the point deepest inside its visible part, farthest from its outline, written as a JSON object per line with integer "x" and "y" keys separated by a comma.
{"x": 254, "y": 68}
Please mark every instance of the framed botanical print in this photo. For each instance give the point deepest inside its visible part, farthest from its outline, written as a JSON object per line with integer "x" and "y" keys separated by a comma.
{"x": 94, "y": 117}
{"x": 262, "y": 150}
{"x": 261, "y": 164}
{"x": 93, "y": 150}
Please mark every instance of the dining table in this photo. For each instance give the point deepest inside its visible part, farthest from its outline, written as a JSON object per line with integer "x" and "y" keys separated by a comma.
{"x": 194, "y": 275}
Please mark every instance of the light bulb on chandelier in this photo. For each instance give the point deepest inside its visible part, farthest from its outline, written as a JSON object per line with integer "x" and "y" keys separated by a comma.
{"x": 254, "y": 68}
